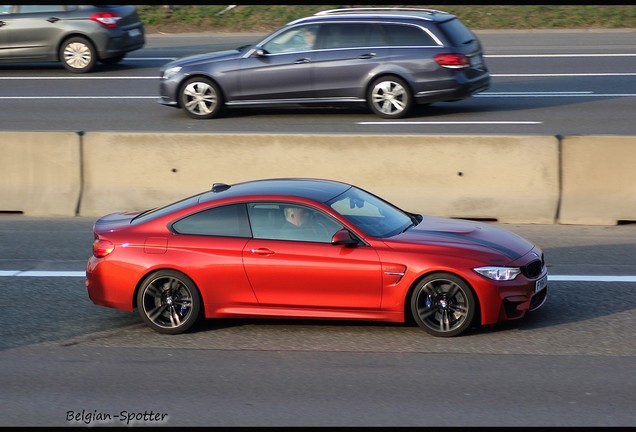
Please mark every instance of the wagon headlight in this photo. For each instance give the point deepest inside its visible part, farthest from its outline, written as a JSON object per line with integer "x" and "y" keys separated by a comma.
{"x": 499, "y": 273}
{"x": 170, "y": 72}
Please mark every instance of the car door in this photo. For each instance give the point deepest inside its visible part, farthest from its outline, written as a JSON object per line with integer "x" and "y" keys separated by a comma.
{"x": 312, "y": 274}
{"x": 284, "y": 71}
{"x": 5, "y": 16}
{"x": 210, "y": 243}
{"x": 35, "y": 30}
{"x": 350, "y": 53}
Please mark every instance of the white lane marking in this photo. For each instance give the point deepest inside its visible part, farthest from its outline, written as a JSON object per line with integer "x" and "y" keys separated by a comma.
{"x": 557, "y": 55}
{"x": 590, "y": 278}
{"x": 583, "y": 74}
{"x": 77, "y": 97}
{"x": 550, "y": 94}
{"x": 447, "y": 122}
{"x": 556, "y": 278}
{"x": 41, "y": 273}
{"x": 41, "y": 78}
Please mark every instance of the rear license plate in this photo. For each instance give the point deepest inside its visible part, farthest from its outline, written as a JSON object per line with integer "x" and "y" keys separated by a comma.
{"x": 134, "y": 32}
{"x": 541, "y": 283}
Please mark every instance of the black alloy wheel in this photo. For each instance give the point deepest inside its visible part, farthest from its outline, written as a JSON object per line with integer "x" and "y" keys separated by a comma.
{"x": 168, "y": 302}
{"x": 443, "y": 305}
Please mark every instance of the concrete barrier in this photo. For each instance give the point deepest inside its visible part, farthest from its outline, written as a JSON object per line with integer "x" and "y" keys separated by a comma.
{"x": 512, "y": 179}
{"x": 599, "y": 180}
{"x": 40, "y": 173}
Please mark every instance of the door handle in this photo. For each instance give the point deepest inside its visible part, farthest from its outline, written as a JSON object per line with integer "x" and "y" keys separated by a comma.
{"x": 367, "y": 56}
{"x": 53, "y": 19}
{"x": 262, "y": 251}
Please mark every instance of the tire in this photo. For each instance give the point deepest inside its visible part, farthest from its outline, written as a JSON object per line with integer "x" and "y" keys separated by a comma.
{"x": 200, "y": 98}
{"x": 112, "y": 60}
{"x": 443, "y": 305}
{"x": 390, "y": 97}
{"x": 168, "y": 302}
{"x": 78, "y": 55}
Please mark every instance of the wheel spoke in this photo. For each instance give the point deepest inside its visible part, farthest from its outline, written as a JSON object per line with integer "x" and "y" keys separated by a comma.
{"x": 202, "y": 107}
{"x": 398, "y": 105}
{"x": 155, "y": 313}
{"x": 189, "y": 91}
{"x": 185, "y": 302}
{"x": 444, "y": 322}
{"x": 153, "y": 291}
{"x": 459, "y": 309}
{"x": 175, "y": 318}
{"x": 452, "y": 290}
{"x": 426, "y": 312}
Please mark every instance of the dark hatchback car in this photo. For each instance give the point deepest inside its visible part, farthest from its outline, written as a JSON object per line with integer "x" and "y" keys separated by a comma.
{"x": 387, "y": 58}
{"x": 78, "y": 36}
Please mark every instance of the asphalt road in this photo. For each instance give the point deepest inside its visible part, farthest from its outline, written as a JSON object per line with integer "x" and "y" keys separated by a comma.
{"x": 570, "y": 364}
{"x": 67, "y": 362}
{"x": 549, "y": 83}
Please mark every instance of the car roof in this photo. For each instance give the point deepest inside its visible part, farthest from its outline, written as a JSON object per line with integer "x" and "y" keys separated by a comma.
{"x": 314, "y": 189}
{"x": 394, "y": 13}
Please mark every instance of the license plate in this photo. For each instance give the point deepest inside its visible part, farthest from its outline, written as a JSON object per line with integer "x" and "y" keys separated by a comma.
{"x": 541, "y": 283}
{"x": 134, "y": 32}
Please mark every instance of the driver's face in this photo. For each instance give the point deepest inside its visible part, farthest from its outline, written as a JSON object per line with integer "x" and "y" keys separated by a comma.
{"x": 297, "y": 216}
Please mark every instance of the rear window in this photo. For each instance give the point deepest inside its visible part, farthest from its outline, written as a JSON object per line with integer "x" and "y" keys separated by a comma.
{"x": 457, "y": 32}
{"x": 406, "y": 35}
{"x": 226, "y": 221}
{"x": 158, "y": 212}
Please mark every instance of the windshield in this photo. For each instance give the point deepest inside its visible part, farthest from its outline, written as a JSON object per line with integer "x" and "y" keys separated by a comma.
{"x": 371, "y": 214}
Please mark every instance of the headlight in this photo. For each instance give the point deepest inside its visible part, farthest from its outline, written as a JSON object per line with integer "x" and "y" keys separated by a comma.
{"x": 499, "y": 273}
{"x": 170, "y": 72}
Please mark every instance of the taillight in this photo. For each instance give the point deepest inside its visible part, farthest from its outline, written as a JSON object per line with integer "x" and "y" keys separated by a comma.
{"x": 101, "y": 248}
{"x": 452, "y": 61}
{"x": 107, "y": 19}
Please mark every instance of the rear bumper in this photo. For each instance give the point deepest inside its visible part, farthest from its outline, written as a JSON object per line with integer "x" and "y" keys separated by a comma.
{"x": 459, "y": 88}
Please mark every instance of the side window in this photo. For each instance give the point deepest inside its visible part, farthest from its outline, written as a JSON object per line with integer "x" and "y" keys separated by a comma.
{"x": 266, "y": 220}
{"x": 41, "y": 8}
{"x": 228, "y": 221}
{"x": 287, "y": 221}
{"x": 356, "y": 35}
{"x": 5, "y": 9}
{"x": 300, "y": 38}
{"x": 407, "y": 35}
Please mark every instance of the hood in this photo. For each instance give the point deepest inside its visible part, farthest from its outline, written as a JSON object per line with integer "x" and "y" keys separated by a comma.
{"x": 205, "y": 57}
{"x": 465, "y": 233}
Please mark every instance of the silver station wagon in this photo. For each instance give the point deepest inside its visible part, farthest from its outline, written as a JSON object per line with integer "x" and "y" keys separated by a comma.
{"x": 78, "y": 36}
{"x": 388, "y": 59}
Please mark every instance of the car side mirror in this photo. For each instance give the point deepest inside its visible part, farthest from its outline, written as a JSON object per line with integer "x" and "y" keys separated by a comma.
{"x": 344, "y": 238}
{"x": 260, "y": 52}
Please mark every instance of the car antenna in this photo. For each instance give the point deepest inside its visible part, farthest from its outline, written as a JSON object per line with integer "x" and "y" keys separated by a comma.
{"x": 220, "y": 187}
